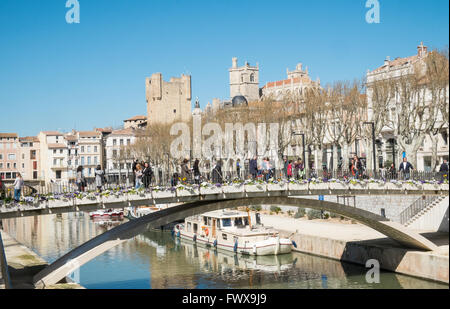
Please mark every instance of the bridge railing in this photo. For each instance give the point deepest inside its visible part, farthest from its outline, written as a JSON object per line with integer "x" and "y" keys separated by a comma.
{"x": 164, "y": 179}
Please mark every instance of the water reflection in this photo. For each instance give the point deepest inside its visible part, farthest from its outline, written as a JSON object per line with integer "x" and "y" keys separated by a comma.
{"x": 157, "y": 260}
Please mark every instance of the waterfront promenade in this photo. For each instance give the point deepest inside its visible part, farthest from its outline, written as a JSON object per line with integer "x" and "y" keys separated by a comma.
{"x": 357, "y": 243}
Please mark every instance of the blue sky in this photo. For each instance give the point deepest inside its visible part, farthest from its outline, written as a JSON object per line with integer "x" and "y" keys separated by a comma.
{"x": 55, "y": 75}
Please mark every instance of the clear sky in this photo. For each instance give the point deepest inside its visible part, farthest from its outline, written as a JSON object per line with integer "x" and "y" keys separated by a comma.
{"x": 59, "y": 76}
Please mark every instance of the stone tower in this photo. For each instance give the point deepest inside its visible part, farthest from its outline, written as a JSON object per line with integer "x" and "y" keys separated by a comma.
{"x": 168, "y": 102}
{"x": 244, "y": 81}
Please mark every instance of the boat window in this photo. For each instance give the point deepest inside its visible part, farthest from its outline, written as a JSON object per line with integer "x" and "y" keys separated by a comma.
{"x": 238, "y": 222}
{"x": 245, "y": 221}
{"x": 205, "y": 220}
{"x": 189, "y": 226}
{"x": 195, "y": 227}
{"x": 224, "y": 236}
{"x": 209, "y": 221}
{"x": 226, "y": 222}
{"x": 218, "y": 223}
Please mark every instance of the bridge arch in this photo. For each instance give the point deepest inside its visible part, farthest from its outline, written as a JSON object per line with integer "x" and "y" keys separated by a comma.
{"x": 77, "y": 257}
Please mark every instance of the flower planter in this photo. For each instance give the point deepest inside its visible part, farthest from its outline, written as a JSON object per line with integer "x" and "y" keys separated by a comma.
{"x": 376, "y": 186}
{"x": 58, "y": 203}
{"x": 163, "y": 194}
{"x": 338, "y": 186}
{"x": 210, "y": 190}
{"x": 318, "y": 186}
{"x": 255, "y": 188}
{"x": 298, "y": 187}
{"x": 185, "y": 192}
{"x": 393, "y": 186}
{"x": 358, "y": 186}
{"x": 113, "y": 199}
{"x": 235, "y": 188}
{"x": 277, "y": 186}
{"x": 88, "y": 201}
{"x": 412, "y": 187}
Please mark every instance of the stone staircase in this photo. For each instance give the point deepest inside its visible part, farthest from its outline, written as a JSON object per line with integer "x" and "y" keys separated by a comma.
{"x": 419, "y": 208}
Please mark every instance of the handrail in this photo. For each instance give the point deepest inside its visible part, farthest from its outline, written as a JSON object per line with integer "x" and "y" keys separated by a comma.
{"x": 417, "y": 206}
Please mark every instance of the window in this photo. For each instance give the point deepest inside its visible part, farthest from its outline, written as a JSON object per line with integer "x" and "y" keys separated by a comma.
{"x": 1, "y": 165}
{"x": 88, "y": 149}
{"x": 174, "y": 111}
{"x": 23, "y": 165}
{"x": 11, "y": 156}
{"x": 129, "y": 141}
{"x": 58, "y": 174}
{"x": 33, "y": 154}
{"x": 252, "y": 77}
{"x": 54, "y": 161}
{"x": 69, "y": 162}
{"x": 90, "y": 171}
{"x": 226, "y": 222}
{"x": 35, "y": 165}
{"x": 8, "y": 165}
{"x": 114, "y": 153}
{"x": 82, "y": 160}
{"x": 224, "y": 236}
{"x": 1, "y": 156}
{"x": 54, "y": 151}
{"x": 121, "y": 142}
{"x": 205, "y": 220}
{"x": 89, "y": 160}
{"x": 35, "y": 175}
{"x": 23, "y": 156}
{"x": 95, "y": 160}
{"x": 82, "y": 149}
{"x": 76, "y": 162}
{"x": 61, "y": 151}
{"x": 114, "y": 142}
{"x": 95, "y": 148}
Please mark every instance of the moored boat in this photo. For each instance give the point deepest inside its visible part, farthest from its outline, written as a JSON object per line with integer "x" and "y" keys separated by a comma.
{"x": 233, "y": 231}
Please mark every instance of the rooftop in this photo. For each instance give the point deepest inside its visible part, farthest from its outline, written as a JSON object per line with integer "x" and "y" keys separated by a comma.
{"x": 8, "y": 135}
{"x": 52, "y": 133}
{"x": 139, "y": 117}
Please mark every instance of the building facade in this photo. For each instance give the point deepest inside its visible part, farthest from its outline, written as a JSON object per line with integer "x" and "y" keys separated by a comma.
{"x": 168, "y": 102}
{"x": 9, "y": 155}
{"x": 296, "y": 85}
{"x": 30, "y": 163}
{"x": 118, "y": 159}
{"x": 244, "y": 81}
{"x": 136, "y": 122}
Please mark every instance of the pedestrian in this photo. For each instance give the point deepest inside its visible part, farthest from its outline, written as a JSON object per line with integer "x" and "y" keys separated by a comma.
{"x": 406, "y": 168}
{"x": 265, "y": 169}
{"x": 147, "y": 175}
{"x": 217, "y": 173}
{"x": 185, "y": 172}
{"x": 99, "y": 178}
{"x": 81, "y": 181}
{"x": 356, "y": 167}
{"x": 392, "y": 172}
{"x": 18, "y": 184}
{"x": 196, "y": 170}
{"x": 285, "y": 167}
{"x": 138, "y": 176}
{"x": 238, "y": 168}
{"x": 301, "y": 169}
{"x": 133, "y": 170}
{"x": 253, "y": 166}
{"x": 443, "y": 170}
{"x": 289, "y": 170}
{"x": 296, "y": 169}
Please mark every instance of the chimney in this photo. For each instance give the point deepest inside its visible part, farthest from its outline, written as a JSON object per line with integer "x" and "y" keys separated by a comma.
{"x": 387, "y": 61}
{"x": 235, "y": 63}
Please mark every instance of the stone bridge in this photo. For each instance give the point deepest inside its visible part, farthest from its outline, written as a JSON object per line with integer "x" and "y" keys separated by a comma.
{"x": 70, "y": 202}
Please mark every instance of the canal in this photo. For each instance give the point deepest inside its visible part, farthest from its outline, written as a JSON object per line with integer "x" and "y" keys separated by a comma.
{"x": 156, "y": 260}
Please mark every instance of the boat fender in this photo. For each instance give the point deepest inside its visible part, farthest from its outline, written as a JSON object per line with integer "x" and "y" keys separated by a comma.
{"x": 235, "y": 246}
{"x": 195, "y": 237}
{"x": 215, "y": 243}
{"x": 294, "y": 244}
{"x": 178, "y": 234}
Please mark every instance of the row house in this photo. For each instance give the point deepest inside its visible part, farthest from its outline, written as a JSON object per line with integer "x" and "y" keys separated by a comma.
{"x": 118, "y": 158}
{"x": 29, "y": 160}
{"x": 9, "y": 155}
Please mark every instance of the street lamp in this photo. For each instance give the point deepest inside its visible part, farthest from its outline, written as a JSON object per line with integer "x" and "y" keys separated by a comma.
{"x": 303, "y": 146}
{"x": 373, "y": 143}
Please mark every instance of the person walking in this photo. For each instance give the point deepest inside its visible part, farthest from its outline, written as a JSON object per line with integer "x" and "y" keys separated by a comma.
{"x": 392, "y": 172}
{"x": 138, "y": 176}
{"x": 238, "y": 168}
{"x": 406, "y": 168}
{"x": 443, "y": 170}
{"x": 253, "y": 166}
{"x": 356, "y": 167}
{"x": 217, "y": 173}
{"x": 99, "y": 178}
{"x": 196, "y": 170}
{"x": 18, "y": 185}
{"x": 296, "y": 169}
{"x": 285, "y": 167}
{"x": 147, "y": 175}
{"x": 185, "y": 172}
{"x": 81, "y": 181}
{"x": 289, "y": 170}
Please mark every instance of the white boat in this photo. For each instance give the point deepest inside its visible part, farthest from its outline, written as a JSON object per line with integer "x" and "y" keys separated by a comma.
{"x": 232, "y": 231}
{"x": 106, "y": 213}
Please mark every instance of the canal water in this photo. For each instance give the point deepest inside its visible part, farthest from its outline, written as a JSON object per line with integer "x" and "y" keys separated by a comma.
{"x": 156, "y": 260}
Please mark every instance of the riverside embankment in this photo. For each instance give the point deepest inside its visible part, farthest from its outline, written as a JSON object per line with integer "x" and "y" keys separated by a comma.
{"x": 23, "y": 264}
{"x": 357, "y": 243}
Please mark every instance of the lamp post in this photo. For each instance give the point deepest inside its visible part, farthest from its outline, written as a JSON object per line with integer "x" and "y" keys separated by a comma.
{"x": 303, "y": 146}
{"x": 373, "y": 143}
